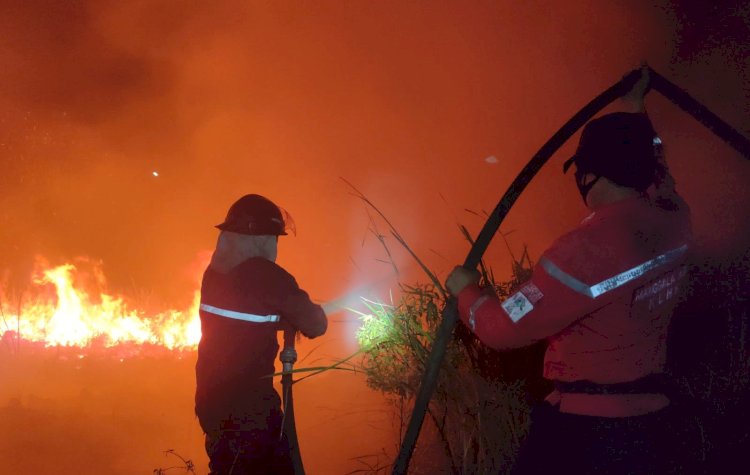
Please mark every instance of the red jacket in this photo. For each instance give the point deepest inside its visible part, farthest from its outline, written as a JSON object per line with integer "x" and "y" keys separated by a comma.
{"x": 601, "y": 295}
{"x": 240, "y": 312}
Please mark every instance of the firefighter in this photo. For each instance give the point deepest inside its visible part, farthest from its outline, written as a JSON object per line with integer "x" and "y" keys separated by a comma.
{"x": 602, "y": 297}
{"x": 246, "y": 298}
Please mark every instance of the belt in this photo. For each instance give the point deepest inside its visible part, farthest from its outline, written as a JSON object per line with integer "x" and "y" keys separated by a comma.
{"x": 654, "y": 383}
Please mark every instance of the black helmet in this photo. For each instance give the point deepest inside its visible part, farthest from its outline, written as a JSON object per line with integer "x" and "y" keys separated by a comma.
{"x": 621, "y": 147}
{"x": 256, "y": 215}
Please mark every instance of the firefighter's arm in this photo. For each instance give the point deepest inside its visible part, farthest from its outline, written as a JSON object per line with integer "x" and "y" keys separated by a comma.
{"x": 541, "y": 308}
{"x": 664, "y": 191}
{"x": 296, "y": 309}
{"x": 633, "y": 101}
{"x": 305, "y": 315}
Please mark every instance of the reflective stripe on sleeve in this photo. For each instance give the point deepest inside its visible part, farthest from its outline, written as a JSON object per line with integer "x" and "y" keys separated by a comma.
{"x": 248, "y": 317}
{"x": 613, "y": 282}
{"x": 473, "y": 310}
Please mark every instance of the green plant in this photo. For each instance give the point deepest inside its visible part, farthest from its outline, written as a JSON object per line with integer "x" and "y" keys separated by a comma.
{"x": 480, "y": 408}
{"x": 480, "y": 418}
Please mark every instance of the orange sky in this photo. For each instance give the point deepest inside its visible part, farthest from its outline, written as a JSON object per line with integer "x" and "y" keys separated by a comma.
{"x": 406, "y": 100}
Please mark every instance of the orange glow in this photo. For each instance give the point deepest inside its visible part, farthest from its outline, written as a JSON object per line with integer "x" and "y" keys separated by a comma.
{"x": 66, "y": 313}
{"x": 127, "y": 129}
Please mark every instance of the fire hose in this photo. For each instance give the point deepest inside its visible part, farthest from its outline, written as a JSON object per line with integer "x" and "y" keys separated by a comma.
{"x": 450, "y": 312}
{"x": 288, "y": 357}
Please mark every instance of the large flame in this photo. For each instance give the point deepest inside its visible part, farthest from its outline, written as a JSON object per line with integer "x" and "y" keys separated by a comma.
{"x": 73, "y": 316}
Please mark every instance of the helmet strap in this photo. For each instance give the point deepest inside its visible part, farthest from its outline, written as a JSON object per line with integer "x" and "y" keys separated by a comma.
{"x": 585, "y": 188}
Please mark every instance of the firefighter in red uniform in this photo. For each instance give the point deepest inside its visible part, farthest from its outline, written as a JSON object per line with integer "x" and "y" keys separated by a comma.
{"x": 245, "y": 299}
{"x": 602, "y": 297}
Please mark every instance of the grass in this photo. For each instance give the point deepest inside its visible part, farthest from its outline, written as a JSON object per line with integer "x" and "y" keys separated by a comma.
{"x": 479, "y": 411}
{"x": 186, "y": 466}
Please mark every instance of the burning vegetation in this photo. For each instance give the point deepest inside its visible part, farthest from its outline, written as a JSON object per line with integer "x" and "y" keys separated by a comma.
{"x": 117, "y": 378}
{"x": 66, "y": 306}
{"x": 113, "y": 112}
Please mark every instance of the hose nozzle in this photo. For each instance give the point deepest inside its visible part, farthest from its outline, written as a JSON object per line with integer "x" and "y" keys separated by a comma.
{"x": 288, "y": 357}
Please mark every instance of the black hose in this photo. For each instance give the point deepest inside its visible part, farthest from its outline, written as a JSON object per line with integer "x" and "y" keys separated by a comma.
{"x": 289, "y": 425}
{"x": 714, "y": 123}
{"x": 450, "y": 312}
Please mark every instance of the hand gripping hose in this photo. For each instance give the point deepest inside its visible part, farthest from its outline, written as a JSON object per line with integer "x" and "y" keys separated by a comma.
{"x": 450, "y": 313}
{"x": 288, "y": 357}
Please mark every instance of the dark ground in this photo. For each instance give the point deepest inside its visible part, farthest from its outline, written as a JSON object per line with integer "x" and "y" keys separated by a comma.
{"x": 710, "y": 358}
{"x": 63, "y": 414}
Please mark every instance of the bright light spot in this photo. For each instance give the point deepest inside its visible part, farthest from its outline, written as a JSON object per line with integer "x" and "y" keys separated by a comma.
{"x": 377, "y": 323}
{"x": 657, "y": 141}
{"x": 155, "y": 173}
{"x": 491, "y": 160}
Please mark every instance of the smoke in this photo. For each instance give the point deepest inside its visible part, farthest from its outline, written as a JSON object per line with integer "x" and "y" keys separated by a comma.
{"x": 405, "y": 99}
{"x": 226, "y": 98}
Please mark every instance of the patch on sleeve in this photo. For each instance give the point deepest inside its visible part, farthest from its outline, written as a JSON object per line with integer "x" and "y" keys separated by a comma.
{"x": 517, "y": 306}
{"x": 532, "y": 292}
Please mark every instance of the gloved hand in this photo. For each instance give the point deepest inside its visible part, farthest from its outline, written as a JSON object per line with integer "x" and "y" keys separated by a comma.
{"x": 459, "y": 278}
{"x": 634, "y": 98}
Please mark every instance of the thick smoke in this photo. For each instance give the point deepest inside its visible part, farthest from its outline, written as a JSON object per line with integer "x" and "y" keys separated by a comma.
{"x": 403, "y": 99}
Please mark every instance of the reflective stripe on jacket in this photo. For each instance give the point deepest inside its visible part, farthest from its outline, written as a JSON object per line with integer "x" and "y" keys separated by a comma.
{"x": 240, "y": 313}
{"x": 602, "y": 295}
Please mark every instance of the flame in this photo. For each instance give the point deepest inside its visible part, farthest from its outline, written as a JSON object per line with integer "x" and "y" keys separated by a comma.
{"x": 75, "y": 317}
